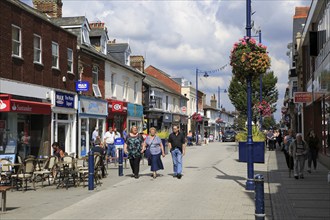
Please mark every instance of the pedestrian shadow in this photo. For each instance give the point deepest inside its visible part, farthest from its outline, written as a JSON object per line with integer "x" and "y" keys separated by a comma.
{"x": 225, "y": 176}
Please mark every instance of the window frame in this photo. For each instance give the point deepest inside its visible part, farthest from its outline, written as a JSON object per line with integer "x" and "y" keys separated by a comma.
{"x": 37, "y": 49}
{"x": 68, "y": 50}
{"x": 113, "y": 85}
{"x": 19, "y": 42}
{"x": 57, "y": 55}
{"x": 95, "y": 73}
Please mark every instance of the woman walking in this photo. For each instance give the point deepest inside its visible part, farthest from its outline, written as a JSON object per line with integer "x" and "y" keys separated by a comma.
{"x": 133, "y": 148}
{"x": 313, "y": 144}
{"x": 154, "y": 143}
{"x": 298, "y": 150}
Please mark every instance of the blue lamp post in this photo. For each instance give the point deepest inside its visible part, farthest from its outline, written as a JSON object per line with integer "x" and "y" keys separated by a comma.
{"x": 260, "y": 92}
{"x": 205, "y": 75}
{"x": 219, "y": 90}
{"x": 250, "y": 181}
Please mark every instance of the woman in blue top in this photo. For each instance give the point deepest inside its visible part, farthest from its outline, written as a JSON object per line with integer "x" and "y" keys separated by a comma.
{"x": 154, "y": 143}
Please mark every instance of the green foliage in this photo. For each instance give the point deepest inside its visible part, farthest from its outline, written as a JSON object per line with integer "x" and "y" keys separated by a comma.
{"x": 269, "y": 122}
{"x": 163, "y": 134}
{"x": 237, "y": 93}
{"x": 257, "y": 136}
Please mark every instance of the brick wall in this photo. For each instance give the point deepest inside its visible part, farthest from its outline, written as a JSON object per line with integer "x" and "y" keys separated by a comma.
{"x": 24, "y": 69}
{"x": 152, "y": 71}
{"x": 86, "y": 61}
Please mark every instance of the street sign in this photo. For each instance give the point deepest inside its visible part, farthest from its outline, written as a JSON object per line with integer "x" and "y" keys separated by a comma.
{"x": 82, "y": 86}
{"x": 302, "y": 97}
{"x": 184, "y": 109}
{"x": 119, "y": 142}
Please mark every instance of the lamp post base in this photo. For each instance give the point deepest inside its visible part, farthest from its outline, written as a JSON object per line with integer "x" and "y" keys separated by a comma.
{"x": 249, "y": 184}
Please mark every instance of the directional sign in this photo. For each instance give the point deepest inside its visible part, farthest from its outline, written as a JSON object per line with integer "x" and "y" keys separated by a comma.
{"x": 82, "y": 86}
{"x": 119, "y": 142}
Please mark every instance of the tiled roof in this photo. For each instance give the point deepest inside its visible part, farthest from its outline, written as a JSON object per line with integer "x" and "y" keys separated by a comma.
{"x": 301, "y": 12}
{"x": 210, "y": 107}
{"x": 69, "y": 21}
{"x": 154, "y": 82}
{"x": 96, "y": 32}
{"x": 117, "y": 47}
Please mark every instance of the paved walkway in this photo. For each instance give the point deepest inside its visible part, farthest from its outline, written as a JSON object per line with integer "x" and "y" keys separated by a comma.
{"x": 213, "y": 187}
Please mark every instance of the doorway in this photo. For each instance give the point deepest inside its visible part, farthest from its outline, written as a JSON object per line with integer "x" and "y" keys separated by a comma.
{"x": 63, "y": 137}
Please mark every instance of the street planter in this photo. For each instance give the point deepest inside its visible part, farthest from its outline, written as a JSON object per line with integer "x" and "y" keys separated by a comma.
{"x": 258, "y": 152}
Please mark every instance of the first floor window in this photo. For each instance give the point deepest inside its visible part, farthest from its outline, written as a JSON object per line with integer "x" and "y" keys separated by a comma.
{"x": 16, "y": 41}
{"x": 70, "y": 61}
{"x": 54, "y": 55}
{"x": 37, "y": 48}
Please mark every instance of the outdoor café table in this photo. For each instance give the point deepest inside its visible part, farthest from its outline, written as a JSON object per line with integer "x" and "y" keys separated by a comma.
{"x": 65, "y": 171}
{"x": 3, "y": 190}
{"x": 14, "y": 165}
{"x": 40, "y": 163}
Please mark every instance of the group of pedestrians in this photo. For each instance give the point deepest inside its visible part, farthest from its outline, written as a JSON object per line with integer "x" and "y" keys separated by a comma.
{"x": 274, "y": 139}
{"x": 135, "y": 146}
{"x": 297, "y": 151}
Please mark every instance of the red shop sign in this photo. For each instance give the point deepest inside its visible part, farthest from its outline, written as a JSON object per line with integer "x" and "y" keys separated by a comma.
{"x": 117, "y": 106}
{"x": 23, "y": 106}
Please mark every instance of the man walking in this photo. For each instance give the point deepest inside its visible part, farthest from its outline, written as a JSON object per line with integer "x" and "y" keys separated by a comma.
{"x": 177, "y": 146}
{"x": 298, "y": 150}
{"x": 109, "y": 139}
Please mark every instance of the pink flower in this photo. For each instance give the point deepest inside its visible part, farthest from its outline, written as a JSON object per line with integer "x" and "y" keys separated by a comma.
{"x": 253, "y": 41}
{"x": 244, "y": 43}
{"x": 259, "y": 45}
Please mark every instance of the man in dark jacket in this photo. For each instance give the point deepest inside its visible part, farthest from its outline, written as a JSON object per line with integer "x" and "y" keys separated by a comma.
{"x": 177, "y": 146}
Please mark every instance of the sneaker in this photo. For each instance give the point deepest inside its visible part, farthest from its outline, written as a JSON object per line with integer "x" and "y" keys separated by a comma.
{"x": 175, "y": 175}
{"x": 136, "y": 176}
{"x": 179, "y": 176}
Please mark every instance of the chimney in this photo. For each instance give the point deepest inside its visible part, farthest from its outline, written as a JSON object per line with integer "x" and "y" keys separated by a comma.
{"x": 137, "y": 62}
{"x": 97, "y": 25}
{"x": 52, "y": 8}
{"x": 213, "y": 101}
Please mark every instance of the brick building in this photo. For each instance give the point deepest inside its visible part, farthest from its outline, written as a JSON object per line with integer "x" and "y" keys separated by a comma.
{"x": 38, "y": 67}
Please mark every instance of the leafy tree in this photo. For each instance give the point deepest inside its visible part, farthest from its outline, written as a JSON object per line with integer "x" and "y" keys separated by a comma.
{"x": 269, "y": 122}
{"x": 237, "y": 93}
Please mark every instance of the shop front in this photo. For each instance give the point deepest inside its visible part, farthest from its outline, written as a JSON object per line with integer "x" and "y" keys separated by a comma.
{"x": 184, "y": 123}
{"x": 117, "y": 115}
{"x": 153, "y": 119}
{"x": 24, "y": 126}
{"x": 92, "y": 113}
{"x": 167, "y": 121}
{"x": 64, "y": 117}
{"x": 134, "y": 116}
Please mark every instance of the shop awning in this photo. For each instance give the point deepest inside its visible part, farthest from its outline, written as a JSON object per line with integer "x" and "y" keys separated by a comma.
{"x": 7, "y": 104}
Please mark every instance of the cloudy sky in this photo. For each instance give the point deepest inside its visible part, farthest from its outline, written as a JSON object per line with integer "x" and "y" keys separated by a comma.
{"x": 180, "y": 36}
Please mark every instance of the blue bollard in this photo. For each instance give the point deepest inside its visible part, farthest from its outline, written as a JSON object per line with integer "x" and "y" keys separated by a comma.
{"x": 259, "y": 197}
{"x": 120, "y": 162}
{"x": 91, "y": 170}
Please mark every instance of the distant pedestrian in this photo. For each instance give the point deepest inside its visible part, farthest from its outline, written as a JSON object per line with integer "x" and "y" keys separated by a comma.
{"x": 313, "y": 144}
{"x": 133, "y": 148}
{"x": 189, "y": 138}
{"x": 298, "y": 150}
{"x": 176, "y": 144}
{"x": 58, "y": 151}
{"x": 271, "y": 140}
{"x": 95, "y": 134}
{"x": 206, "y": 137}
{"x": 288, "y": 139}
{"x": 156, "y": 148}
{"x": 109, "y": 139}
{"x": 99, "y": 148}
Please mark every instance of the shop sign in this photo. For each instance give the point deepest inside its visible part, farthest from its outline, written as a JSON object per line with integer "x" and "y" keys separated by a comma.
{"x": 93, "y": 106}
{"x": 64, "y": 100}
{"x": 82, "y": 86}
{"x": 135, "y": 110}
{"x": 4, "y": 104}
{"x": 176, "y": 118}
{"x": 167, "y": 118}
{"x": 117, "y": 106}
{"x": 302, "y": 97}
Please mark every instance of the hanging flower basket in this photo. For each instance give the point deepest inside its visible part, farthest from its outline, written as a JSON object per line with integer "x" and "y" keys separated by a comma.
{"x": 249, "y": 58}
{"x": 197, "y": 117}
{"x": 263, "y": 108}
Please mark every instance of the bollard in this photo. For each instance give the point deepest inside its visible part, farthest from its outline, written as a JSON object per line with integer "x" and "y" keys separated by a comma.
{"x": 259, "y": 197}
{"x": 91, "y": 170}
{"x": 120, "y": 162}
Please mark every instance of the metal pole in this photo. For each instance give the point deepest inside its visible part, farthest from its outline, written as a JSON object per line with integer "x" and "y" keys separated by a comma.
{"x": 250, "y": 181}
{"x": 120, "y": 162}
{"x": 259, "y": 197}
{"x": 91, "y": 170}
{"x": 260, "y": 98}
{"x": 219, "y": 97}
{"x": 196, "y": 105}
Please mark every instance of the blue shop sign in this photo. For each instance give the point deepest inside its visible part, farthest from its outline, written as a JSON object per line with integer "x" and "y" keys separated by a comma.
{"x": 82, "y": 86}
{"x": 134, "y": 110}
{"x": 64, "y": 100}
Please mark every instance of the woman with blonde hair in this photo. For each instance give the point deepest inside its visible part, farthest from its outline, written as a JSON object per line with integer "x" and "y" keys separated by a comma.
{"x": 156, "y": 148}
{"x": 133, "y": 148}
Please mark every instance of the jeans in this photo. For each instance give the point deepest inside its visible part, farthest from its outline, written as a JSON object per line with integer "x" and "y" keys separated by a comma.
{"x": 299, "y": 165}
{"x": 189, "y": 141}
{"x": 111, "y": 150}
{"x": 177, "y": 161}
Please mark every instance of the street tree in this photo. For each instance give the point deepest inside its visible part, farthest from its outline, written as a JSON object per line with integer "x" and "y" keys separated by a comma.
{"x": 238, "y": 97}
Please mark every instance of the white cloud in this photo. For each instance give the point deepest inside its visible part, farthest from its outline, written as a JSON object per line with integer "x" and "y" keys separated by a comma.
{"x": 180, "y": 36}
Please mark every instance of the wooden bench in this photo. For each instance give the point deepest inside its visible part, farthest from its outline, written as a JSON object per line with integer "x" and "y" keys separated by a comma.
{"x": 3, "y": 190}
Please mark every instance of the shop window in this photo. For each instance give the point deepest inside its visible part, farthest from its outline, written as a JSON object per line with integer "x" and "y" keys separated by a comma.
{"x": 16, "y": 41}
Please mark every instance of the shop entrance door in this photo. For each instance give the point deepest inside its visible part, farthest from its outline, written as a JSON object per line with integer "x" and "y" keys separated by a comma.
{"x": 63, "y": 137}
